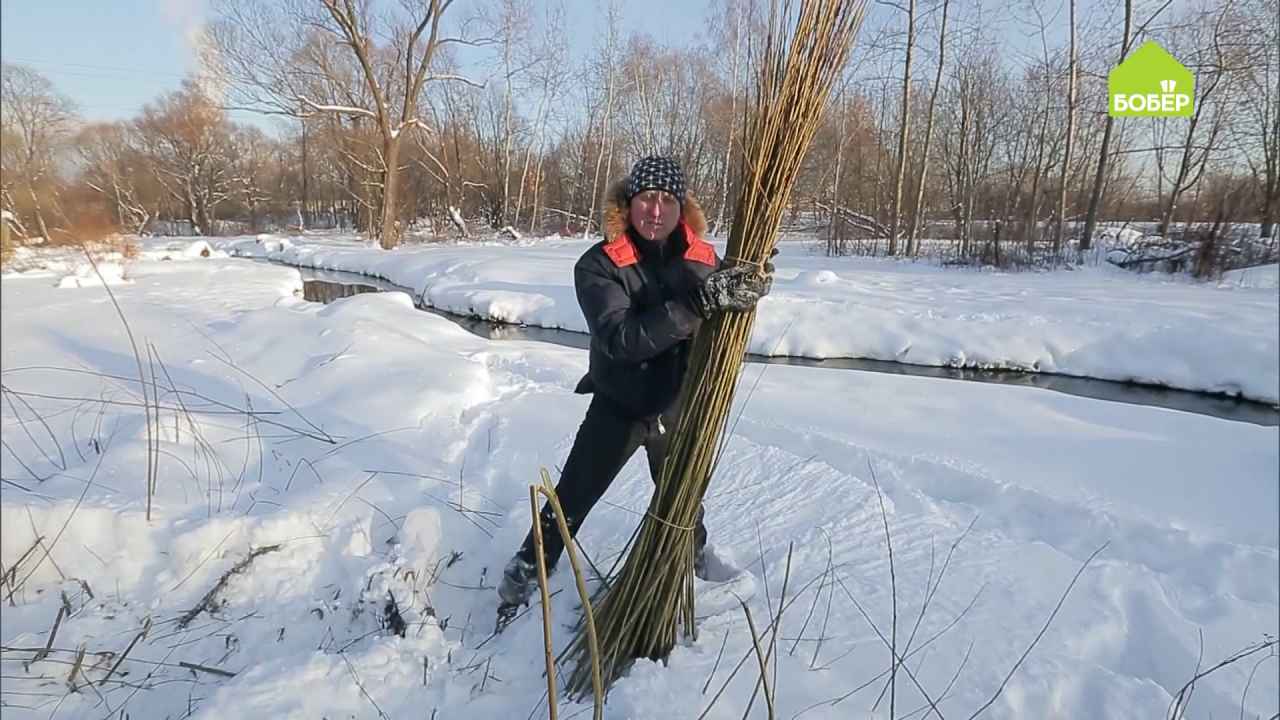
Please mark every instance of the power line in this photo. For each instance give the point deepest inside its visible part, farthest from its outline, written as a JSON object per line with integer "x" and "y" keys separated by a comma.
{"x": 97, "y": 68}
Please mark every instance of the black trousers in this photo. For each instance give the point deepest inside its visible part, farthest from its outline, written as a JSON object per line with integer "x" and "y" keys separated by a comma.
{"x": 605, "y": 442}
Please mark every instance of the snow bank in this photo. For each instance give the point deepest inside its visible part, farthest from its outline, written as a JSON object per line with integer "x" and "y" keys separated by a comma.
{"x": 108, "y": 273}
{"x": 1095, "y": 322}
{"x": 1262, "y": 277}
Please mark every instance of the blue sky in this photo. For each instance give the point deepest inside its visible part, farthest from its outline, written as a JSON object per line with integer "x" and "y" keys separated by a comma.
{"x": 113, "y": 57}
{"x": 110, "y": 57}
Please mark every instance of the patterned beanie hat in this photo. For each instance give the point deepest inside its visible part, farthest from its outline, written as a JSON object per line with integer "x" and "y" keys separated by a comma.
{"x": 656, "y": 173}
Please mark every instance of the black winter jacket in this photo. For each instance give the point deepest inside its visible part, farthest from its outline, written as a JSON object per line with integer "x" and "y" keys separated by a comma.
{"x": 635, "y": 297}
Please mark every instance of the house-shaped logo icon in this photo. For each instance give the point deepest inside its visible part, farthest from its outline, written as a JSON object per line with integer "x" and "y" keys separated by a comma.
{"x": 1150, "y": 83}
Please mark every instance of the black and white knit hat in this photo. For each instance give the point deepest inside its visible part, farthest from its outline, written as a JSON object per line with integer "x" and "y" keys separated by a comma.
{"x": 656, "y": 173}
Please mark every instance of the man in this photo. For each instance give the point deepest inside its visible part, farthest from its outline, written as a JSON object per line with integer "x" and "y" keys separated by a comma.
{"x": 644, "y": 290}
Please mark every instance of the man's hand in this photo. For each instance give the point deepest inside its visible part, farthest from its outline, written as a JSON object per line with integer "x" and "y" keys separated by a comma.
{"x": 736, "y": 288}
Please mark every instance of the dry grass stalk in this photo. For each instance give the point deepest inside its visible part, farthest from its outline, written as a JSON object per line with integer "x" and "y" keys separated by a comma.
{"x": 61, "y": 462}
{"x": 14, "y": 588}
{"x": 562, "y": 526}
{"x": 356, "y": 678}
{"x": 75, "y": 670}
{"x": 804, "y": 51}
{"x": 548, "y": 654}
{"x": 153, "y": 439}
{"x": 210, "y": 599}
{"x": 760, "y": 657}
{"x": 1178, "y": 707}
{"x": 893, "y": 596}
{"x": 773, "y": 644}
{"x": 1043, "y": 629}
{"x": 206, "y": 669}
{"x": 146, "y": 628}
{"x": 10, "y": 575}
{"x": 747, "y": 656}
{"x": 593, "y": 643}
{"x": 53, "y": 633}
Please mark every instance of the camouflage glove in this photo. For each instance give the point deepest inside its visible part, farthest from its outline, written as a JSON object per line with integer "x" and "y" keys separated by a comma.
{"x": 736, "y": 288}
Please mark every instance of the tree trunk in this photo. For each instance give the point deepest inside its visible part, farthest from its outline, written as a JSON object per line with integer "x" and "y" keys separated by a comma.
{"x": 1071, "y": 131}
{"x": 1268, "y": 217}
{"x": 1095, "y": 196}
{"x": 506, "y": 141}
{"x": 1182, "y": 181}
{"x": 390, "y": 235}
{"x": 537, "y": 177}
{"x": 35, "y": 202}
{"x": 1271, "y": 201}
{"x": 606, "y": 126}
{"x": 1033, "y": 211}
{"x": 600, "y": 153}
{"x": 837, "y": 221}
{"x": 963, "y": 188}
{"x": 528, "y": 158}
{"x": 306, "y": 211}
{"x": 904, "y": 129}
{"x": 912, "y": 243}
{"x": 189, "y": 202}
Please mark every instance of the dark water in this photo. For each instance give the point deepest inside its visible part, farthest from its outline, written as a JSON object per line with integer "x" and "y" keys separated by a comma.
{"x": 326, "y": 286}
{"x": 324, "y": 291}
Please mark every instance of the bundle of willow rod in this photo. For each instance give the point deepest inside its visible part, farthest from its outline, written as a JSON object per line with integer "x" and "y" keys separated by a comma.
{"x": 638, "y": 615}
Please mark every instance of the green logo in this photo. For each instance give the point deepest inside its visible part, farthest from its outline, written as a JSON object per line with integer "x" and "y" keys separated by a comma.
{"x": 1150, "y": 83}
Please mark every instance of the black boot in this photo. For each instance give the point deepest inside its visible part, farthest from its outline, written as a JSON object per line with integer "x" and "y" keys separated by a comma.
{"x": 519, "y": 578}
{"x": 700, "y": 546}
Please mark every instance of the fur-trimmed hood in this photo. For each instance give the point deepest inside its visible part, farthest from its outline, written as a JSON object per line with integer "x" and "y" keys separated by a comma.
{"x": 616, "y": 213}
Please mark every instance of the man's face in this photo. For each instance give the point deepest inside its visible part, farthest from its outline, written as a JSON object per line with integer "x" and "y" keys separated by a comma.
{"x": 654, "y": 214}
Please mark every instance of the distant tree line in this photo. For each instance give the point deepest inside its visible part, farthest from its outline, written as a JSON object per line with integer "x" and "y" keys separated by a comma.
{"x": 425, "y": 121}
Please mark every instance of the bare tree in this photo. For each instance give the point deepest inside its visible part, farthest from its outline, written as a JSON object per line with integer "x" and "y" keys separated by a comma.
{"x": 1214, "y": 61}
{"x": 609, "y": 63}
{"x": 259, "y": 47}
{"x": 114, "y": 167}
{"x": 1257, "y": 130}
{"x": 36, "y": 121}
{"x": 552, "y": 57}
{"x": 975, "y": 116}
{"x": 511, "y": 26}
{"x": 1096, "y": 192}
{"x": 249, "y": 172}
{"x": 187, "y": 140}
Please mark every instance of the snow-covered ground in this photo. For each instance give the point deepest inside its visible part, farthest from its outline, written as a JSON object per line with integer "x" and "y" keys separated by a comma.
{"x": 1098, "y": 322}
{"x": 1264, "y": 277}
{"x": 385, "y": 452}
